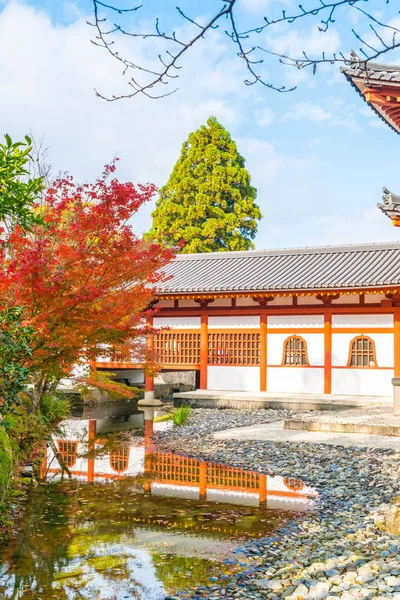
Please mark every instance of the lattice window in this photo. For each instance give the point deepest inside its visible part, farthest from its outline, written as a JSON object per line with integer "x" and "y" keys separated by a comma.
{"x": 234, "y": 348}
{"x": 362, "y": 352}
{"x": 295, "y": 352}
{"x": 68, "y": 452}
{"x": 177, "y": 348}
{"x": 220, "y": 476}
{"x": 293, "y": 484}
{"x": 176, "y": 469}
{"x": 119, "y": 459}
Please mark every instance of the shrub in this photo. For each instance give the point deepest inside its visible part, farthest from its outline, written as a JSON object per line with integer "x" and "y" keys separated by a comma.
{"x": 6, "y": 463}
{"x": 180, "y": 415}
{"x": 54, "y": 408}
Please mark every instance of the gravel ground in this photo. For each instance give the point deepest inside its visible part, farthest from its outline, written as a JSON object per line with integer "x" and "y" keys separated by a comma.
{"x": 203, "y": 421}
{"x": 337, "y": 552}
{"x": 364, "y": 416}
{"x": 275, "y": 432}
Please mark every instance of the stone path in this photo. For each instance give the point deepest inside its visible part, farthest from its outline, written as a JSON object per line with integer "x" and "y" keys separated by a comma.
{"x": 274, "y": 432}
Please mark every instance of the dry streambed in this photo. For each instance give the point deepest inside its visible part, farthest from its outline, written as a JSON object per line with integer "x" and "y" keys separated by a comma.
{"x": 340, "y": 551}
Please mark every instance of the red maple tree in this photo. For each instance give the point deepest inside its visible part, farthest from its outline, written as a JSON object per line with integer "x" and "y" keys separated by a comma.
{"x": 84, "y": 280}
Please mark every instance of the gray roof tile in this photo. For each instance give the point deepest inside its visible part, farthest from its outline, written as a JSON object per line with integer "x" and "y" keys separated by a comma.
{"x": 290, "y": 269}
{"x": 359, "y": 73}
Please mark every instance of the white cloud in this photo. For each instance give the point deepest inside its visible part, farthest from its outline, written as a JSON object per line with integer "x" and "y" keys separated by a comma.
{"x": 47, "y": 83}
{"x": 265, "y": 116}
{"x": 307, "y": 110}
{"x": 46, "y": 86}
{"x": 313, "y": 42}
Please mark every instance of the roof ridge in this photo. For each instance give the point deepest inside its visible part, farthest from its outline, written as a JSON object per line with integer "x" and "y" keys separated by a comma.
{"x": 329, "y": 249}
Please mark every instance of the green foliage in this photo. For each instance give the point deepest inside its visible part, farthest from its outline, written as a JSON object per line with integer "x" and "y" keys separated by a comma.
{"x": 6, "y": 463}
{"x": 54, "y": 408}
{"x": 18, "y": 192}
{"x": 162, "y": 418}
{"x": 208, "y": 203}
{"x": 15, "y": 342}
{"x": 104, "y": 381}
{"x": 180, "y": 415}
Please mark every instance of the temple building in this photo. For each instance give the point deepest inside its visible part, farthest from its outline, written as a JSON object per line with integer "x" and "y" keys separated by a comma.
{"x": 320, "y": 320}
{"x": 379, "y": 86}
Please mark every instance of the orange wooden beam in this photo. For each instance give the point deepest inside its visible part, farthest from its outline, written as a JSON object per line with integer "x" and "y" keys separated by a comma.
{"x": 263, "y": 353}
{"x": 203, "y": 351}
{"x": 327, "y": 353}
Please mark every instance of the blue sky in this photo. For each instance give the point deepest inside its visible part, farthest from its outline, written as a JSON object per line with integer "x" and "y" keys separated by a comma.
{"x": 318, "y": 156}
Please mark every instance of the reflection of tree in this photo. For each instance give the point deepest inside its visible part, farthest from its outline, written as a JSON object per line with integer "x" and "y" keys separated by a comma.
{"x": 176, "y": 572}
{"x": 40, "y": 550}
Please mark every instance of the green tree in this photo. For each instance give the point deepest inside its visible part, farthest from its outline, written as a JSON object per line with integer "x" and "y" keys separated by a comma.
{"x": 15, "y": 339}
{"x": 18, "y": 191}
{"x": 208, "y": 203}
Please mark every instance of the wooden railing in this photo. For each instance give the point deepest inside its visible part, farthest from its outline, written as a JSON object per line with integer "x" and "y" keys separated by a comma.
{"x": 177, "y": 470}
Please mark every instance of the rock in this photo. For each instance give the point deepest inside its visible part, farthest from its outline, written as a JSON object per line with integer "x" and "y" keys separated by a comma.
{"x": 319, "y": 591}
{"x": 392, "y": 581}
{"x": 27, "y": 471}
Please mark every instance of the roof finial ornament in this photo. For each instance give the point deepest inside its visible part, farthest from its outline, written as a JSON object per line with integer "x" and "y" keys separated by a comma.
{"x": 355, "y": 61}
{"x": 390, "y": 206}
{"x": 389, "y": 198}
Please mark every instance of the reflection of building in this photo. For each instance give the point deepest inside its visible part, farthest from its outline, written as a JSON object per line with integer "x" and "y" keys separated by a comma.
{"x": 309, "y": 320}
{"x": 167, "y": 474}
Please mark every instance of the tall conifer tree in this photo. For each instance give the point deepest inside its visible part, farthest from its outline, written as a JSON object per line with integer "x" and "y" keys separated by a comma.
{"x": 208, "y": 203}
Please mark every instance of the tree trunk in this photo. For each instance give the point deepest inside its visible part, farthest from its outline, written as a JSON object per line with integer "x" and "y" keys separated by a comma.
{"x": 38, "y": 390}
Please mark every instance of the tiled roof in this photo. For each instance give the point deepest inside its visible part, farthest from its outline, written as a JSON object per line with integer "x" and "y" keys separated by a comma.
{"x": 324, "y": 268}
{"x": 361, "y": 74}
{"x": 374, "y": 72}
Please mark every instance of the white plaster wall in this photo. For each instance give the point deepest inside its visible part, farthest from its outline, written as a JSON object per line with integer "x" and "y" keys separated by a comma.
{"x": 374, "y": 298}
{"x": 296, "y": 321}
{"x": 362, "y": 382}
{"x": 347, "y": 299}
{"x": 243, "y": 379}
{"x": 295, "y": 379}
{"x": 221, "y": 302}
{"x": 248, "y": 322}
{"x": 281, "y": 301}
{"x": 177, "y": 322}
{"x": 246, "y": 302}
{"x": 315, "y": 348}
{"x": 188, "y": 304}
{"x": 301, "y": 300}
{"x": 166, "y": 303}
{"x": 384, "y": 345}
{"x": 362, "y": 321}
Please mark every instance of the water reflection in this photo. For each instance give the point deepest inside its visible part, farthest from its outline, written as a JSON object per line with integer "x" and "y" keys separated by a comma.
{"x": 135, "y": 522}
{"x": 81, "y": 449}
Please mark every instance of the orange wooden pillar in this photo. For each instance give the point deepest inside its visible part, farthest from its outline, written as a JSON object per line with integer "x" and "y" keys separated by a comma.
{"x": 327, "y": 353}
{"x": 263, "y": 490}
{"x": 263, "y": 353}
{"x": 91, "y": 457}
{"x": 203, "y": 351}
{"x": 203, "y": 480}
{"x": 397, "y": 343}
{"x": 149, "y": 379}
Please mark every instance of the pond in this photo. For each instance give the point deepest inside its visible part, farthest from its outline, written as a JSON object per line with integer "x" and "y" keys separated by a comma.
{"x": 126, "y": 520}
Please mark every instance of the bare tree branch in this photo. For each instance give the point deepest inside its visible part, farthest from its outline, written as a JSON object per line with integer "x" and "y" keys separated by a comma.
{"x": 154, "y": 81}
